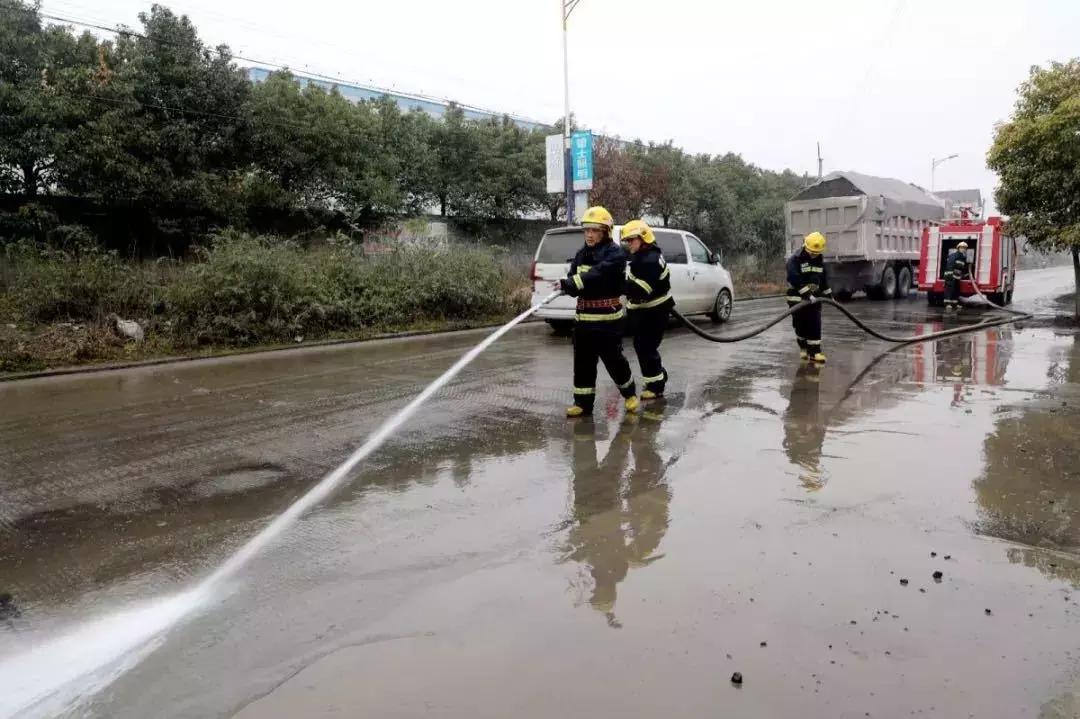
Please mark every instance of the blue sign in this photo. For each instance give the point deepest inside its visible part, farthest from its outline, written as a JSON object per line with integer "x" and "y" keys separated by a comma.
{"x": 581, "y": 157}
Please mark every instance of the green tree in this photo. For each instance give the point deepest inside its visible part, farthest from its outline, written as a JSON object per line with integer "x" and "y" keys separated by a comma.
{"x": 510, "y": 178}
{"x": 299, "y": 142}
{"x": 666, "y": 180}
{"x": 712, "y": 207}
{"x": 455, "y": 155}
{"x": 169, "y": 120}
{"x": 39, "y": 69}
{"x": 407, "y": 138}
{"x": 1037, "y": 157}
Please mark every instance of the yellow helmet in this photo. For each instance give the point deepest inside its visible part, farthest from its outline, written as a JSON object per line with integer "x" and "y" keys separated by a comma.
{"x": 814, "y": 242}
{"x": 638, "y": 228}
{"x": 597, "y": 215}
{"x": 962, "y": 246}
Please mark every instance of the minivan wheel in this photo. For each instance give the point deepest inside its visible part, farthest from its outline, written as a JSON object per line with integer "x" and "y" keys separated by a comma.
{"x": 721, "y": 311}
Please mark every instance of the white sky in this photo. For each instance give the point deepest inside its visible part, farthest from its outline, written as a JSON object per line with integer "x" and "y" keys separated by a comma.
{"x": 885, "y": 85}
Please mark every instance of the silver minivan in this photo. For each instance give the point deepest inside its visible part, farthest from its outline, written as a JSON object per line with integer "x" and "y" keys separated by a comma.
{"x": 699, "y": 283}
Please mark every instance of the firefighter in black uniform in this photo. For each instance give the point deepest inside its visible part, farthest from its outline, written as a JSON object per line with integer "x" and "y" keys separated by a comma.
{"x": 648, "y": 303}
{"x": 596, "y": 278}
{"x": 956, "y": 269}
{"x": 807, "y": 280}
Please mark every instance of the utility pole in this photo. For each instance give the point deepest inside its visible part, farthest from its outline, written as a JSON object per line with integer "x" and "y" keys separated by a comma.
{"x": 819, "y": 161}
{"x": 565, "y": 8}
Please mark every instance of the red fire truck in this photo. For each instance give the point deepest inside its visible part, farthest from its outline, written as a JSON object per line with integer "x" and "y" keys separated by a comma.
{"x": 991, "y": 258}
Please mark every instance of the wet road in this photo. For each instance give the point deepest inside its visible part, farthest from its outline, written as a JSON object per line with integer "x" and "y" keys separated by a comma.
{"x": 498, "y": 560}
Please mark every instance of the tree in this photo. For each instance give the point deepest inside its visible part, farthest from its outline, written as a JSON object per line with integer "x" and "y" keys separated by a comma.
{"x": 618, "y": 178}
{"x": 455, "y": 150}
{"x": 711, "y": 210}
{"x": 379, "y": 148}
{"x": 510, "y": 178}
{"x": 168, "y": 120}
{"x": 1037, "y": 157}
{"x": 300, "y": 142}
{"x": 408, "y": 141}
{"x": 666, "y": 182}
{"x": 37, "y": 108}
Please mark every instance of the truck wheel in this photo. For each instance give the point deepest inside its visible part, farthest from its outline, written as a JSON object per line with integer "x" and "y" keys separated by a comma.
{"x": 997, "y": 298}
{"x": 903, "y": 285}
{"x": 721, "y": 311}
{"x": 561, "y": 327}
{"x": 886, "y": 290}
{"x": 1008, "y": 297}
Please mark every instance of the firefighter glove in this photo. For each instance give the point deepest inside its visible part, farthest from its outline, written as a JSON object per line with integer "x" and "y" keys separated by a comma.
{"x": 568, "y": 287}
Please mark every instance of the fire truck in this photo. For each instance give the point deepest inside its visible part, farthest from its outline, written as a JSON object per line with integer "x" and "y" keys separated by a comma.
{"x": 991, "y": 257}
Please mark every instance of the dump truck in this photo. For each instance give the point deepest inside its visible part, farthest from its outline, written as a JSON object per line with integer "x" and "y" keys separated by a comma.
{"x": 874, "y": 227}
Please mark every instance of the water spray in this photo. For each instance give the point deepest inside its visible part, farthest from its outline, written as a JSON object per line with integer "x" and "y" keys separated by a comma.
{"x": 53, "y": 677}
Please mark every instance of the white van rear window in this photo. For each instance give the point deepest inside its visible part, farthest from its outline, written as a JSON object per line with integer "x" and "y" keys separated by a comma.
{"x": 558, "y": 248}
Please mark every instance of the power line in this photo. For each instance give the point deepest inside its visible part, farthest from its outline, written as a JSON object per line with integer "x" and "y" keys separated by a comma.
{"x": 291, "y": 39}
{"x": 127, "y": 32}
{"x": 124, "y": 31}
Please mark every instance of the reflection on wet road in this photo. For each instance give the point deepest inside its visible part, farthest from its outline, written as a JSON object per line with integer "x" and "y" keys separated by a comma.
{"x": 496, "y": 560}
{"x": 620, "y": 504}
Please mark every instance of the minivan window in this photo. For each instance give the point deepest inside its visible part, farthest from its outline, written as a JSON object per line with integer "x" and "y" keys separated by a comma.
{"x": 698, "y": 251}
{"x": 558, "y": 248}
{"x": 671, "y": 244}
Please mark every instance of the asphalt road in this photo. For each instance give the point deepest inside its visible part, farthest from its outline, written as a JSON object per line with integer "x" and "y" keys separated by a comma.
{"x": 496, "y": 559}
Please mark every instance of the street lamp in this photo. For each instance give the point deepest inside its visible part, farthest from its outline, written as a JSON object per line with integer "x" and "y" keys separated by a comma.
{"x": 933, "y": 167}
{"x": 566, "y": 7}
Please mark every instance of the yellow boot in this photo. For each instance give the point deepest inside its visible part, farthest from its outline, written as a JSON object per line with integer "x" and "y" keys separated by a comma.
{"x": 575, "y": 411}
{"x": 819, "y": 357}
{"x": 632, "y": 403}
{"x": 649, "y": 394}
{"x": 803, "y": 354}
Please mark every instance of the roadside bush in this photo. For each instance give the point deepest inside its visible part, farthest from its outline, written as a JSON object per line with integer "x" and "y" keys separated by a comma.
{"x": 244, "y": 290}
{"x": 83, "y": 283}
{"x": 247, "y": 290}
{"x": 415, "y": 284}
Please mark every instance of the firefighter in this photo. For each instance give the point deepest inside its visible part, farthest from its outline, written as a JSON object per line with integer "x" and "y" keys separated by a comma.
{"x": 807, "y": 280}
{"x": 596, "y": 278}
{"x": 648, "y": 303}
{"x": 955, "y": 270}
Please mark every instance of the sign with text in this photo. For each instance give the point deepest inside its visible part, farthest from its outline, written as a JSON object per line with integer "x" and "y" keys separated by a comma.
{"x": 556, "y": 172}
{"x": 581, "y": 150}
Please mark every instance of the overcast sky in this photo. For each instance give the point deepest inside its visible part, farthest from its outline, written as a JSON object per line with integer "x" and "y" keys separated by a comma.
{"x": 885, "y": 85}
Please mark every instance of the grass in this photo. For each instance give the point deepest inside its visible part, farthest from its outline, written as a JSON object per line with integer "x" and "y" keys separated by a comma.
{"x": 241, "y": 291}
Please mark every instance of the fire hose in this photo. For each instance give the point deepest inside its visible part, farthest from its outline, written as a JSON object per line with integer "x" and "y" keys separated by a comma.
{"x": 898, "y": 340}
